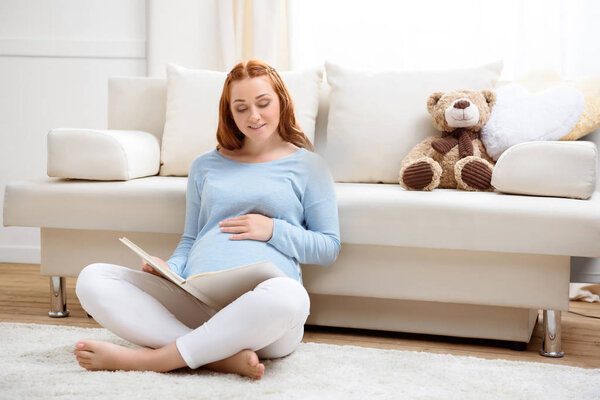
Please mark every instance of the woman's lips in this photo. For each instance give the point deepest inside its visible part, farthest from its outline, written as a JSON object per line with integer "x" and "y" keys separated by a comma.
{"x": 257, "y": 128}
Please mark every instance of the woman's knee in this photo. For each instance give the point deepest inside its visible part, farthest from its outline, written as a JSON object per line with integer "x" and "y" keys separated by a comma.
{"x": 289, "y": 298}
{"x": 88, "y": 279}
{"x": 284, "y": 345}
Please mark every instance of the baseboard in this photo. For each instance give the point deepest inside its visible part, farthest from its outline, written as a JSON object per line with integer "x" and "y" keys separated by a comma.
{"x": 20, "y": 254}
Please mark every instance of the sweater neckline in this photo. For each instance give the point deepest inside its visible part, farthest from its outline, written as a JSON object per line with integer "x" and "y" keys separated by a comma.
{"x": 291, "y": 156}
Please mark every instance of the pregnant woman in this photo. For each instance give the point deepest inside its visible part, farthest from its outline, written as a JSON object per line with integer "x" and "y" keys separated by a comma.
{"x": 261, "y": 194}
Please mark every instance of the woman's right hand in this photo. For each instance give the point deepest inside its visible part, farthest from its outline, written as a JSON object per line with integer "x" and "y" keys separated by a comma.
{"x": 147, "y": 268}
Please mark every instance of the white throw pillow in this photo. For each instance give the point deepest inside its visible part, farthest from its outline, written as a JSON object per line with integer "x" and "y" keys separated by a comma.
{"x": 102, "y": 154}
{"x": 375, "y": 118}
{"x": 520, "y": 116}
{"x": 548, "y": 168}
{"x": 192, "y": 112}
{"x": 191, "y": 117}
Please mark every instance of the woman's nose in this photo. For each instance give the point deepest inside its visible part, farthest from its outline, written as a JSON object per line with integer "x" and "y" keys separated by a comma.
{"x": 254, "y": 115}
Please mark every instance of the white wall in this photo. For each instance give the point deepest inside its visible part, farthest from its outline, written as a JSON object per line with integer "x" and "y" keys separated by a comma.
{"x": 55, "y": 59}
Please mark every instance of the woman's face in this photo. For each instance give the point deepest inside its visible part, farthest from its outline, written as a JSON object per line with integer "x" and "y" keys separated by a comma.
{"x": 255, "y": 108}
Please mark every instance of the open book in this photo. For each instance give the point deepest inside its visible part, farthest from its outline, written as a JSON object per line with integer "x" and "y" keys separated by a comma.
{"x": 217, "y": 288}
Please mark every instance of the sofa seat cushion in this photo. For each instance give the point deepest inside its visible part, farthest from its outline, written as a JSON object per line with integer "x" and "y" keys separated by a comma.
{"x": 386, "y": 214}
{"x": 377, "y": 214}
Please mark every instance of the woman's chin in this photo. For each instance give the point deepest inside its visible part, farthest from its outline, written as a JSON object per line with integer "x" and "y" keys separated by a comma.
{"x": 259, "y": 137}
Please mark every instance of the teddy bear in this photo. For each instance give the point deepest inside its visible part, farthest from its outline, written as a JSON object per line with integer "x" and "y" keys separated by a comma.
{"x": 458, "y": 158}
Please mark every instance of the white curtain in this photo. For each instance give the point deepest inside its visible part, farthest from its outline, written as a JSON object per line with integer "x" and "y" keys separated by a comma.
{"x": 558, "y": 35}
{"x": 215, "y": 34}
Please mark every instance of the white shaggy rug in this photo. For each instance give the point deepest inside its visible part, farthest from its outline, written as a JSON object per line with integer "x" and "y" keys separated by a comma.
{"x": 36, "y": 362}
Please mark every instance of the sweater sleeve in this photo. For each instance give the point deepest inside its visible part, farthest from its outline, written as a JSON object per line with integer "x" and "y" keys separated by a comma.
{"x": 319, "y": 241}
{"x": 179, "y": 258}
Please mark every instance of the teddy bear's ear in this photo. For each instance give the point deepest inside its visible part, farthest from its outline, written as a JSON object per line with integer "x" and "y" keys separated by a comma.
{"x": 490, "y": 98}
{"x": 432, "y": 100}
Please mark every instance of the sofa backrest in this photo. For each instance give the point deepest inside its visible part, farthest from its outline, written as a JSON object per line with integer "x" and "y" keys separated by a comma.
{"x": 137, "y": 104}
{"x": 140, "y": 104}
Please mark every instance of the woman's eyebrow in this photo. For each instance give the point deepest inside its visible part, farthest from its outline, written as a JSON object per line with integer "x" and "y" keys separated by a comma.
{"x": 257, "y": 97}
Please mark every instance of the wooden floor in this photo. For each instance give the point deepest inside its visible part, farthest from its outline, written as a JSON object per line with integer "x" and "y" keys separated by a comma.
{"x": 25, "y": 294}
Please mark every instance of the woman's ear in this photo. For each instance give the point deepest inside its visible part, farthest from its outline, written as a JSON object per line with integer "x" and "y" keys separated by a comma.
{"x": 490, "y": 97}
{"x": 432, "y": 100}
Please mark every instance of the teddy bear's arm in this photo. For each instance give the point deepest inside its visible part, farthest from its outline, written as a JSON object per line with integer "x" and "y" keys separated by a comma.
{"x": 444, "y": 144}
{"x": 421, "y": 150}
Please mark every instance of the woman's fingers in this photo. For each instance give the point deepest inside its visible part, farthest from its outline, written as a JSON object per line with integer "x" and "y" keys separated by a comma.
{"x": 237, "y": 221}
{"x": 240, "y": 236}
{"x": 159, "y": 260}
{"x": 234, "y": 229}
{"x": 149, "y": 269}
{"x": 248, "y": 226}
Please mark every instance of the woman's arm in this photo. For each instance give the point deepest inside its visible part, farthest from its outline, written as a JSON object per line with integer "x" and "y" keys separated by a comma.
{"x": 179, "y": 258}
{"x": 319, "y": 243}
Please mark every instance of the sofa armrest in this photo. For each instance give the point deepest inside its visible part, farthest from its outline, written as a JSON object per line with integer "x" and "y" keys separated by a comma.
{"x": 559, "y": 169}
{"x": 100, "y": 154}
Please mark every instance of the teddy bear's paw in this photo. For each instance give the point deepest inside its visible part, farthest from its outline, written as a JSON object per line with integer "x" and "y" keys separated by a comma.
{"x": 421, "y": 175}
{"x": 473, "y": 173}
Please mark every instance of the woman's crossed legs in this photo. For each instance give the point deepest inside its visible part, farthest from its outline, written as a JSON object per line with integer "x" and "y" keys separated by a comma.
{"x": 179, "y": 330}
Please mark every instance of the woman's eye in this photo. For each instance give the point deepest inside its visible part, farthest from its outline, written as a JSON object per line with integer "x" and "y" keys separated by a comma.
{"x": 263, "y": 105}
{"x": 241, "y": 109}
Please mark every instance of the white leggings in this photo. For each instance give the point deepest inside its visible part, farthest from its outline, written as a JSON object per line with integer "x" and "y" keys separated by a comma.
{"x": 151, "y": 311}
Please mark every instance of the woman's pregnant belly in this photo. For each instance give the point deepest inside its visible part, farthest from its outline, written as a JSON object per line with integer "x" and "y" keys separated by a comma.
{"x": 214, "y": 251}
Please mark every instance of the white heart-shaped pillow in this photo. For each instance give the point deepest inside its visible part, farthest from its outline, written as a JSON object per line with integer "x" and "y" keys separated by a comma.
{"x": 520, "y": 116}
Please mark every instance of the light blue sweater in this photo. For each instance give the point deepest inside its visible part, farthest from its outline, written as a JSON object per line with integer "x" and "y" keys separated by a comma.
{"x": 297, "y": 191}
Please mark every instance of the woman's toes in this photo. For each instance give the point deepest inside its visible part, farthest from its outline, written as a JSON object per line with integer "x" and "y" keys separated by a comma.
{"x": 252, "y": 358}
{"x": 85, "y": 364}
{"x": 256, "y": 369}
{"x": 86, "y": 355}
{"x": 260, "y": 371}
{"x": 87, "y": 344}
{"x": 81, "y": 344}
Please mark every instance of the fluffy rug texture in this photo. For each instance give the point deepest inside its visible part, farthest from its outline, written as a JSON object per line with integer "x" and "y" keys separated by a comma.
{"x": 37, "y": 363}
{"x": 520, "y": 116}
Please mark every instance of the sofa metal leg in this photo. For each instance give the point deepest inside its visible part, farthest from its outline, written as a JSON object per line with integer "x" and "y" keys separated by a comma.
{"x": 551, "y": 345}
{"x": 58, "y": 297}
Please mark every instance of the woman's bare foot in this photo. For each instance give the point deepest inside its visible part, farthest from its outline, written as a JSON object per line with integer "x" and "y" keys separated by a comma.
{"x": 95, "y": 355}
{"x": 244, "y": 363}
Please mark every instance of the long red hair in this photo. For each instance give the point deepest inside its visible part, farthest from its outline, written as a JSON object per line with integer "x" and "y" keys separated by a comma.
{"x": 228, "y": 134}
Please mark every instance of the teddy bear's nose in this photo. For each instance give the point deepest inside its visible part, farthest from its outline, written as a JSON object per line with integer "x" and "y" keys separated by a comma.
{"x": 462, "y": 104}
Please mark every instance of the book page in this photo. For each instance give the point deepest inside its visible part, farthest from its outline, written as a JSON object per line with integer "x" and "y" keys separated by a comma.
{"x": 163, "y": 270}
{"x": 219, "y": 288}
{"x": 215, "y": 288}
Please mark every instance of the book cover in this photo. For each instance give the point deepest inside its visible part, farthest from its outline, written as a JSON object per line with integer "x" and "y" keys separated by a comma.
{"x": 215, "y": 288}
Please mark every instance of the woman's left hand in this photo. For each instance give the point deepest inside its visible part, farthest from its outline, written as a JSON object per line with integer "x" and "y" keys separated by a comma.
{"x": 248, "y": 226}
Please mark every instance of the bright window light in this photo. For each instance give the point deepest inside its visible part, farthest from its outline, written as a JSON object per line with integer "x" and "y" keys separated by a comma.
{"x": 558, "y": 35}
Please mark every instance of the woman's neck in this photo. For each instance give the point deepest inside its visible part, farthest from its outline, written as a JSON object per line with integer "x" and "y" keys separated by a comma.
{"x": 261, "y": 152}
{"x": 254, "y": 149}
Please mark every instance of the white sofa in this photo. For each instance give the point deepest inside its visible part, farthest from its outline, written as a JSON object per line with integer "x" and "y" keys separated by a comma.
{"x": 446, "y": 262}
